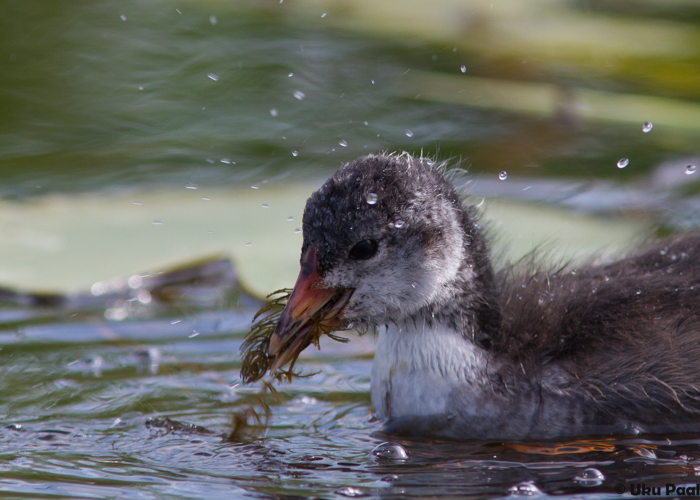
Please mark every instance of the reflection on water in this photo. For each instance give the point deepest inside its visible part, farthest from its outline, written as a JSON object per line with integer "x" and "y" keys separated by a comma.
{"x": 141, "y": 408}
{"x": 128, "y": 390}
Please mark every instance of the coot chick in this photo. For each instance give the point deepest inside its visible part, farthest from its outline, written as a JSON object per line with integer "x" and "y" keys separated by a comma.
{"x": 465, "y": 352}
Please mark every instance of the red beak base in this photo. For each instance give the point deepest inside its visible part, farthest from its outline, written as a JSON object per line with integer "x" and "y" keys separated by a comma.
{"x": 308, "y": 310}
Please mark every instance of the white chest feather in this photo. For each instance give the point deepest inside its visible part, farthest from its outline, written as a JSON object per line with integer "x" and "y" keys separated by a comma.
{"x": 416, "y": 371}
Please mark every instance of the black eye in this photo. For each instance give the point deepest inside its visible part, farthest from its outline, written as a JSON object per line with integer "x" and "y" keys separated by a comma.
{"x": 364, "y": 250}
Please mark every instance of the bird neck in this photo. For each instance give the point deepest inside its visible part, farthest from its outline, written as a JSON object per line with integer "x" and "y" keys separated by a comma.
{"x": 472, "y": 306}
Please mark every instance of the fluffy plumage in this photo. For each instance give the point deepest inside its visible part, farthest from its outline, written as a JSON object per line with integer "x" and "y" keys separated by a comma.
{"x": 525, "y": 352}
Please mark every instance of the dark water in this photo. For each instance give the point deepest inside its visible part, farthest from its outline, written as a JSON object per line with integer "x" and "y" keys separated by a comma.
{"x": 97, "y": 96}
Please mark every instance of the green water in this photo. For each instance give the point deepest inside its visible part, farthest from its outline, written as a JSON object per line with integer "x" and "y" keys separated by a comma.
{"x": 112, "y": 113}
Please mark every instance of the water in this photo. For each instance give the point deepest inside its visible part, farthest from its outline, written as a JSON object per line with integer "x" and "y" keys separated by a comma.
{"x": 111, "y": 108}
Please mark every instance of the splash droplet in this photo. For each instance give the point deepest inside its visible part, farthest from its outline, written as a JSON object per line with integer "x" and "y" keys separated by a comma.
{"x": 324, "y": 14}
{"x": 390, "y": 451}
{"x": 122, "y": 17}
{"x": 646, "y": 128}
{"x": 295, "y": 153}
{"x": 409, "y": 133}
{"x": 623, "y": 162}
{"x": 254, "y": 186}
{"x": 213, "y": 77}
{"x": 343, "y": 143}
{"x": 503, "y": 175}
{"x": 157, "y": 222}
{"x": 265, "y": 205}
{"x": 526, "y": 488}
{"x": 464, "y": 69}
{"x": 590, "y": 477}
{"x": 290, "y": 75}
{"x": 372, "y": 198}
{"x": 398, "y": 224}
{"x": 690, "y": 169}
{"x": 212, "y": 20}
{"x": 273, "y": 112}
{"x": 290, "y": 219}
{"x": 299, "y": 95}
{"x": 191, "y": 186}
{"x": 297, "y": 230}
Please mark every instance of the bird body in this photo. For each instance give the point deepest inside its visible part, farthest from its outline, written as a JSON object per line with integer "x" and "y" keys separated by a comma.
{"x": 468, "y": 352}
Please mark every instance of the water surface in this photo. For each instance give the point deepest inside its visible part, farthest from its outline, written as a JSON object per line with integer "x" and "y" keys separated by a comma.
{"x": 138, "y": 135}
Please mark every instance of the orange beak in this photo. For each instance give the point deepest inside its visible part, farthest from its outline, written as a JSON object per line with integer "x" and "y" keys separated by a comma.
{"x": 308, "y": 306}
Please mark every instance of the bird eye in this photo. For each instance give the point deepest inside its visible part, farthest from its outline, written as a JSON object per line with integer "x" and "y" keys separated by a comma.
{"x": 364, "y": 250}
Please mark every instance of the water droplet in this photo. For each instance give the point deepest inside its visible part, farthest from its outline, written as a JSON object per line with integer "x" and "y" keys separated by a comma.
{"x": 639, "y": 292}
{"x": 273, "y": 112}
{"x": 526, "y": 488}
{"x": 134, "y": 281}
{"x": 390, "y": 451}
{"x": 209, "y": 160}
{"x": 464, "y": 69}
{"x": 372, "y": 198}
{"x": 123, "y": 17}
{"x": 213, "y": 77}
{"x": 140, "y": 87}
{"x": 503, "y": 175}
{"x": 290, "y": 219}
{"x": 212, "y": 20}
{"x": 194, "y": 334}
{"x": 372, "y": 82}
{"x": 137, "y": 203}
{"x": 225, "y": 160}
{"x": 324, "y": 14}
{"x": 265, "y": 205}
{"x": 157, "y": 223}
{"x": 297, "y": 230}
{"x": 623, "y": 162}
{"x": 398, "y": 224}
{"x": 343, "y": 143}
{"x": 409, "y": 133}
{"x": 299, "y": 95}
{"x": 254, "y": 186}
{"x": 144, "y": 297}
{"x": 646, "y": 128}
{"x": 191, "y": 186}
{"x": 249, "y": 243}
{"x": 590, "y": 477}
{"x": 290, "y": 75}
{"x": 175, "y": 321}
{"x": 295, "y": 153}
{"x": 690, "y": 169}
{"x": 350, "y": 491}
{"x": 663, "y": 251}
{"x": 206, "y": 198}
